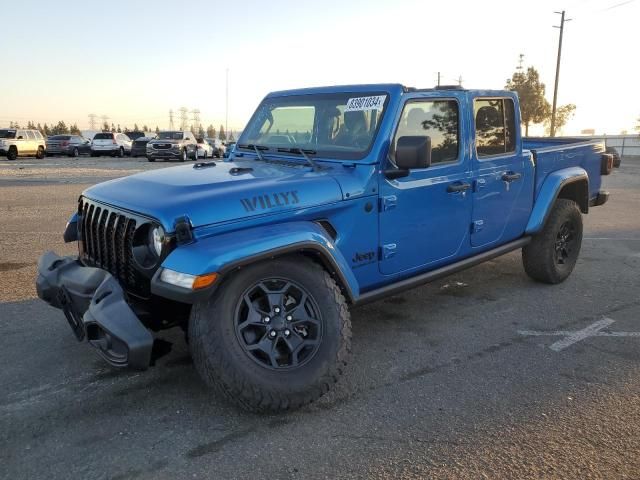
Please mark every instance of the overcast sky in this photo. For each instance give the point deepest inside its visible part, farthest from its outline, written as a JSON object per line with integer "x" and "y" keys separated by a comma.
{"x": 134, "y": 60}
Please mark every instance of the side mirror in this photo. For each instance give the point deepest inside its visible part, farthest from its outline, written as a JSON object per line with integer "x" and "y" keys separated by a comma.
{"x": 413, "y": 152}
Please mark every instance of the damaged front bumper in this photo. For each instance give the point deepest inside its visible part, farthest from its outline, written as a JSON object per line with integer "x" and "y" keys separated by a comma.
{"x": 95, "y": 307}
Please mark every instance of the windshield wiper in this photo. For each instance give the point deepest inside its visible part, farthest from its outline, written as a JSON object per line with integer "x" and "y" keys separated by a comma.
{"x": 255, "y": 148}
{"x": 304, "y": 153}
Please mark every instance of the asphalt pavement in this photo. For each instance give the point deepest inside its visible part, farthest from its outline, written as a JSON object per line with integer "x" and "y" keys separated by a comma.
{"x": 485, "y": 374}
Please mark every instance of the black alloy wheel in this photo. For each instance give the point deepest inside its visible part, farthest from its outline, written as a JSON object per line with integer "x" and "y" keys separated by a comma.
{"x": 565, "y": 243}
{"x": 278, "y": 324}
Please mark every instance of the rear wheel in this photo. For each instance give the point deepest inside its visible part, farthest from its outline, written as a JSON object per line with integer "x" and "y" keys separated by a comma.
{"x": 40, "y": 153}
{"x": 553, "y": 252}
{"x": 75, "y": 152}
{"x": 121, "y": 152}
{"x": 183, "y": 155}
{"x": 12, "y": 154}
{"x": 274, "y": 337}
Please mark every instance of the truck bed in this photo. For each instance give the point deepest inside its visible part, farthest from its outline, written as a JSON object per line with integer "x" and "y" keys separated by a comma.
{"x": 552, "y": 154}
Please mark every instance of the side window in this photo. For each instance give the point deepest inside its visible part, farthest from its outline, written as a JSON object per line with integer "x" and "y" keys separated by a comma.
{"x": 495, "y": 126}
{"x": 38, "y": 135}
{"x": 437, "y": 119}
{"x": 31, "y": 135}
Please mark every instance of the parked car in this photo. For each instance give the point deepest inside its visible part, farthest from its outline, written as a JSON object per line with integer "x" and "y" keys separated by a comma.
{"x": 114, "y": 144}
{"x": 616, "y": 156}
{"x": 229, "y": 147}
{"x": 178, "y": 145}
{"x": 259, "y": 259}
{"x": 217, "y": 146}
{"x": 204, "y": 148}
{"x": 135, "y": 135}
{"x": 18, "y": 142}
{"x": 72, "y": 145}
{"x": 139, "y": 146}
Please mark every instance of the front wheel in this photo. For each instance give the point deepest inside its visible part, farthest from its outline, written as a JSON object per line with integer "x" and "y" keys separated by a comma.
{"x": 12, "y": 154}
{"x": 553, "y": 252}
{"x": 275, "y": 336}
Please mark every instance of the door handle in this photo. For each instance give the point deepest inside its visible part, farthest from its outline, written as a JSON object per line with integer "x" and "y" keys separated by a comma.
{"x": 458, "y": 187}
{"x": 511, "y": 176}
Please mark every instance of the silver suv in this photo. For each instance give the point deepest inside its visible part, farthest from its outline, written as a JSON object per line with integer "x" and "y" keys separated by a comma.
{"x": 114, "y": 144}
{"x": 18, "y": 142}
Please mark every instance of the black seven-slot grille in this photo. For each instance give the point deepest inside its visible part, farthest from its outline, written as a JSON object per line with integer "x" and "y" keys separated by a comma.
{"x": 106, "y": 241}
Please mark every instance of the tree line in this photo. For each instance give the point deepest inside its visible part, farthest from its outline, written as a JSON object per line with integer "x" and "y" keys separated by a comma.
{"x": 61, "y": 128}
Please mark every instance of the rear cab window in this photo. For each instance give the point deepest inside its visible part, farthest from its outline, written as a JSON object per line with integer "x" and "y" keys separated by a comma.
{"x": 495, "y": 128}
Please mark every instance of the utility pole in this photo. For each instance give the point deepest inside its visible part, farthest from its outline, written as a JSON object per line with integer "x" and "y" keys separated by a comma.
{"x": 226, "y": 115}
{"x": 438, "y": 79}
{"x": 171, "y": 125}
{"x": 460, "y": 81}
{"x": 552, "y": 130}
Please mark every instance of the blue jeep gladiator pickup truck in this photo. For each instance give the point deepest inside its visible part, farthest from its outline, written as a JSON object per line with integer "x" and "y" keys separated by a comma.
{"x": 333, "y": 197}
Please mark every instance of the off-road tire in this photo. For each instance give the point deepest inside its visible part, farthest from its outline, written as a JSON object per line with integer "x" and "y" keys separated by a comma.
{"x": 223, "y": 363}
{"x": 540, "y": 256}
{"x": 12, "y": 154}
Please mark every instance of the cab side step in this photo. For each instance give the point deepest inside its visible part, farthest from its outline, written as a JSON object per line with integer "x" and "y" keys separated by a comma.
{"x": 412, "y": 282}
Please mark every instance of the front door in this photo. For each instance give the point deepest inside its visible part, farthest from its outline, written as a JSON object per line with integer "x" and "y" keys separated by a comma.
{"x": 503, "y": 183}
{"x": 425, "y": 217}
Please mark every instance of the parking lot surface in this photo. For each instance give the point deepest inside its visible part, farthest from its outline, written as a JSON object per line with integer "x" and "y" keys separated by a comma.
{"x": 485, "y": 374}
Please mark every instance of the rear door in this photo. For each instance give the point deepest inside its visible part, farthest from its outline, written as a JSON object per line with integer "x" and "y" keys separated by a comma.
{"x": 424, "y": 217}
{"x": 31, "y": 142}
{"x": 503, "y": 183}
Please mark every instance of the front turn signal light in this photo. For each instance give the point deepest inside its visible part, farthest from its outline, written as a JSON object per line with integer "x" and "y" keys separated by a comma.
{"x": 203, "y": 281}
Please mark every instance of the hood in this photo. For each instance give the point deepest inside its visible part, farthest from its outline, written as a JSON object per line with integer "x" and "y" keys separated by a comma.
{"x": 225, "y": 192}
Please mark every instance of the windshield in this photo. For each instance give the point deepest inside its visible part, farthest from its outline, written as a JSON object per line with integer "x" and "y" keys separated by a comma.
{"x": 7, "y": 134}
{"x": 170, "y": 136}
{"x": 341, "y": 125}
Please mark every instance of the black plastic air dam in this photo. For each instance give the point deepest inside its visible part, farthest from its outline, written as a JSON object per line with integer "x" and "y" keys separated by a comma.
{"x": 96, "y": 308}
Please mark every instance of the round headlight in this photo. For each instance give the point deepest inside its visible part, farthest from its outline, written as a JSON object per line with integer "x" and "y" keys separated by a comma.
{"x": 157, "y": 239}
